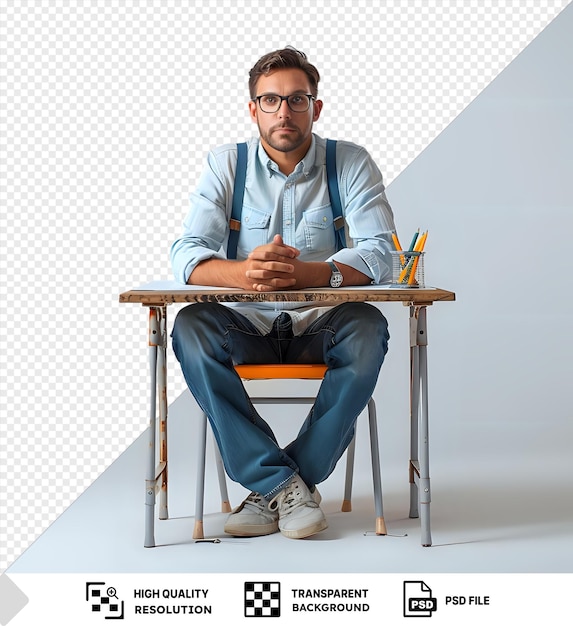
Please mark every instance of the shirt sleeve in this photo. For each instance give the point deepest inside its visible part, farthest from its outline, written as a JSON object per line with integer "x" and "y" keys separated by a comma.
{"x": 368, "y": 215}
{"x": 206, "y": 226}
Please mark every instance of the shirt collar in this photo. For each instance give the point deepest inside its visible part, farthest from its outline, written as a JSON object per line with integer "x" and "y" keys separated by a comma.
{"x": 305, "y": 166}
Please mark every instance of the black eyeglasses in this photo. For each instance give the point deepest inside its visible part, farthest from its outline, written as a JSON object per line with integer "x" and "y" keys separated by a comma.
{"x": 297, "y": 102}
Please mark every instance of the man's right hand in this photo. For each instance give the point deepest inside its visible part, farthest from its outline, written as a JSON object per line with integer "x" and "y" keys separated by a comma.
{"x": 270, "y": 267}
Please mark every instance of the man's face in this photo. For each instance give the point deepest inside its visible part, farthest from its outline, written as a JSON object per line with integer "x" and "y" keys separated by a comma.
{"x": 285, "y": 130}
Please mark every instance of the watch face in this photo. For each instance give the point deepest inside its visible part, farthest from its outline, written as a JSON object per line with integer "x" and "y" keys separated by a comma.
{"x": 336, "y": 279}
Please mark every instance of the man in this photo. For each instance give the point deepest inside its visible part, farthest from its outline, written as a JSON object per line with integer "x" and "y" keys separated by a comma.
{"x": 286, "y": 241}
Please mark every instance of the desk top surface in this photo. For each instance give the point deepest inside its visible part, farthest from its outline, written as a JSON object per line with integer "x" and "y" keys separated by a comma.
{"x": 160, "y": 293}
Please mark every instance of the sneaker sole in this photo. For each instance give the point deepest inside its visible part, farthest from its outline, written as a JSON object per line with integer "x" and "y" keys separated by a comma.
{"x": 245, "y": 530}
{"x": 301, "y": 533}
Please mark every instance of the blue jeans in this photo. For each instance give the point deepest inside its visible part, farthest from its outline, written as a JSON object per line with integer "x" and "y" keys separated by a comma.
{"x": 351, "y": 339}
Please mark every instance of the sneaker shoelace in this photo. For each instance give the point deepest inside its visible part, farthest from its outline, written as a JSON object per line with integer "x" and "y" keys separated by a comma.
{"x": 255, "y": 501}
{"x": 290, "y": 498}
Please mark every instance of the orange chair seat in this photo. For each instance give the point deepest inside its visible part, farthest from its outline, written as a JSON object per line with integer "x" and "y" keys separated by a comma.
{"x": 281, "y": 370}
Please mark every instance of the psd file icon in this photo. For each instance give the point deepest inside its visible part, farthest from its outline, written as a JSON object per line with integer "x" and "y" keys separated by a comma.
{"x": 418, "y": 599}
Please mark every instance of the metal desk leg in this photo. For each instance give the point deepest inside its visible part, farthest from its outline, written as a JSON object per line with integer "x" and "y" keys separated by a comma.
{"x": 162, "y": 388}
{"x": 420, "y": 494}
{"x": 158, "y": 382}
{"x": 414, "y": 411}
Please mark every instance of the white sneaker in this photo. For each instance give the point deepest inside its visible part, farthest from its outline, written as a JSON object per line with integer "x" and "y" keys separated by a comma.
{"x": 316, "y": 496}
{"x": 252, "y": 518}
{"x": 298, "y": 510}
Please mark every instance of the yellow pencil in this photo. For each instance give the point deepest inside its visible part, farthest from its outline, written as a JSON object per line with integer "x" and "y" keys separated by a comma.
{"x": 398, "y": 246}
{"x": 421, "y": 242}
{"x": 413, "y": 270}
{"x": 418, "y": 248}
{"x": 405, "y": 271}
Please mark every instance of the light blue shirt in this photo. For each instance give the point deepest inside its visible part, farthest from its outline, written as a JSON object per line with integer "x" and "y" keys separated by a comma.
{"x": 295, "y": 206}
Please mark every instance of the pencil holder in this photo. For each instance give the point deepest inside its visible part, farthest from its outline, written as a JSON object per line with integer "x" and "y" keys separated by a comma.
{"x": 407, "y": 269}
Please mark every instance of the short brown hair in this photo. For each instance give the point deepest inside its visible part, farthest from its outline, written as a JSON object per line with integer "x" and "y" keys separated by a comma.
{"x": 283, "y": 59}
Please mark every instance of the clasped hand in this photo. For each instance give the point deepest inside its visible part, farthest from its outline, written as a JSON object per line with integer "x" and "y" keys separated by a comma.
{"x": 273, "y": 266}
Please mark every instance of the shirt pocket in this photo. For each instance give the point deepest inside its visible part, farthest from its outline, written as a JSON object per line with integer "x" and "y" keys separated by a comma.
{"x": 254, "y": 229}
{"x": 316, "y": 229}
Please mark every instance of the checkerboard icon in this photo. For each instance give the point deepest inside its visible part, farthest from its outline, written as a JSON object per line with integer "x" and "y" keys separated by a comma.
{"x": 262, "y": 599}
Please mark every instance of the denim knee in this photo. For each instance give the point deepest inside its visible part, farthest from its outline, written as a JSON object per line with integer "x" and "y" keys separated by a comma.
{"x": 193, "y": 325}
{"x": 192, "y": 313}
{"x": 366, "y": 323}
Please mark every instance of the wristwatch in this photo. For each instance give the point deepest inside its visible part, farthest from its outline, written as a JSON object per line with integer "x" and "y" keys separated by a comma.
{"x": 336, "y": 277}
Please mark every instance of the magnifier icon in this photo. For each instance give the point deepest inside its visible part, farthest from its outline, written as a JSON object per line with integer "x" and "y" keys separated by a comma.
{"x": 111, "y": 592}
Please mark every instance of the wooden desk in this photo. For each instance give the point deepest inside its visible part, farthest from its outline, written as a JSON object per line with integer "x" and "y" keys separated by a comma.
{"x": 157, "y": 296}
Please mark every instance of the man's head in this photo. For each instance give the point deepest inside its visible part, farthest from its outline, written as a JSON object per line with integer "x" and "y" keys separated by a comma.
{"x": 287, "y": 58}
{"x": 284, "y": 87}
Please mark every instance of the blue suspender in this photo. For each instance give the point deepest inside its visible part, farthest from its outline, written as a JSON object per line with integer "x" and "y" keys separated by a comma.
{"x": 237, "y": 206}
{"x": 332, "y": 180}
{"x": 239, "y": 191}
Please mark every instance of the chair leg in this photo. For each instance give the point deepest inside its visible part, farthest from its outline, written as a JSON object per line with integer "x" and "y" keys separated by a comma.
{"x": 225, "y": 504}
{"x": 378, "y": 505}
{"x": 350, "y": 451}
{"x": 200, "y": 488}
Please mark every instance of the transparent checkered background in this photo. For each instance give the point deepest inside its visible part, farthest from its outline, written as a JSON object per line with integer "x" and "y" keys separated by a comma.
{"x": 108, "y": 109}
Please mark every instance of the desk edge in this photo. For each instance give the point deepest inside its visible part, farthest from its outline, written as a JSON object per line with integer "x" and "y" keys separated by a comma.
{"x": 415, "y": 296}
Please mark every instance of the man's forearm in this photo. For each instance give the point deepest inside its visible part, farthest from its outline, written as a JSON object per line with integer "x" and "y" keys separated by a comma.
{"x": 219, "y": 273}
{"x": 317, "y": 274}
{"x": 352, "y": 277}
